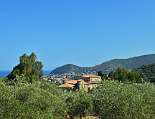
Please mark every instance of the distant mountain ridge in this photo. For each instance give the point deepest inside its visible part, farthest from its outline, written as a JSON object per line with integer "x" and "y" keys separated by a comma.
{"x": 106, "y": 67}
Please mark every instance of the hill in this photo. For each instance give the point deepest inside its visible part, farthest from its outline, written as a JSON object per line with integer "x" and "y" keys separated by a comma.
{"x": 106, "y": 67}
{"x": 69, "y": 68}
{"x": 148, "y": 72}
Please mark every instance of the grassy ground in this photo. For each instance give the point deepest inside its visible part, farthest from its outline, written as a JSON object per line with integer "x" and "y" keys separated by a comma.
{"x": 88, "y": 117}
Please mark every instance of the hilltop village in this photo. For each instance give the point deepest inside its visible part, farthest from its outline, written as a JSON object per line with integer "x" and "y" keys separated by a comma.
{"x": 72, "y": 81}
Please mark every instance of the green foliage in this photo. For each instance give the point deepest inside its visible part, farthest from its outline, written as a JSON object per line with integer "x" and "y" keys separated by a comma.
{"x": 7, "y": 102}
{"x": 23, "y": 96}
{"x": 28, "y": 67}
{"x": 49, "y": 87}
{"x": 44, "y": 100}
{"x": 30, "y": 101}
{"x": 148, "y": 73}
{"x": 78, "y": 103}
{"x": 123, "y": 75}
{"x": 68, "y": 68}
{"x": 37, "y": 103}
{"x": 134, "y": 76}
{"x": 114, "y": 100}
{"x": 120, "y": 74}
{"x": 108, "y": 66}
{"x": 103, "y": 76}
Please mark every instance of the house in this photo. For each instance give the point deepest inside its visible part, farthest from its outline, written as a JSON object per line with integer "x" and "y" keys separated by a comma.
{"x": 67, "y": 86}
{"x": 71, "y": 84}
{"x": 91, "y": 81}
{"x": 87, "y": 82}
{"x": 91, "y": 78}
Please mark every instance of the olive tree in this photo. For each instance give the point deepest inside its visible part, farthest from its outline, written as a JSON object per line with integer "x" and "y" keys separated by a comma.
{"x": 115, "y": 100}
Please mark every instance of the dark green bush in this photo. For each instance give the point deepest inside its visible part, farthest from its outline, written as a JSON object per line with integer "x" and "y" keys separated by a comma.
{"x": 78, "y": 103}
{"x": 30, "y": 102}
{"x": 37, "y": 103}
{"x": 44, "y": 100}
{"x": 115, "y": 100}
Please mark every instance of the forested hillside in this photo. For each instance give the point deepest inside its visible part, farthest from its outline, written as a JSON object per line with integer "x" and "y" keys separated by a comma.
{"x": 148, "y": 72}
{"x": 108, "y": 66}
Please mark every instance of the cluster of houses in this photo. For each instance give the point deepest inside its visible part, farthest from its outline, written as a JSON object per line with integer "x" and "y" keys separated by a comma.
{"x": 84, "y": 82}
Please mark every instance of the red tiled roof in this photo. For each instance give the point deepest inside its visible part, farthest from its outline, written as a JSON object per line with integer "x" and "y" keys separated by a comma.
{"x": 69, "y": 84}
{"x": 73, "y": 82}
{"x": 90, "y": 76}
{"x": 66, "y": 85}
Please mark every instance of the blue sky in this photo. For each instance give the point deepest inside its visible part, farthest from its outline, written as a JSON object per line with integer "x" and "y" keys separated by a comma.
{"x": 83, "y": 32}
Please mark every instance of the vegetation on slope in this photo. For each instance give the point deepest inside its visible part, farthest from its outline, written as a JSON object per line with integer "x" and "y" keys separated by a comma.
{"x": 148, "y": 72}
{"x": 43, "y": 100}
{"x": 109, "y": 66}
{"x": 69, "y": 68}
{"x": 114, "y": 100}
{"x": 21, "y": 98}
{"x": 123, "y": 75}
{"x": 30, "y": 102}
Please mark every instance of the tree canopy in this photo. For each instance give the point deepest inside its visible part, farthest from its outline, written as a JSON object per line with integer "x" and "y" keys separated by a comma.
{"x": 123, "y": 75}
{"x": 28, "y": 67}
{"x": 148, "y": 73}
{"x": 115, "y": 100}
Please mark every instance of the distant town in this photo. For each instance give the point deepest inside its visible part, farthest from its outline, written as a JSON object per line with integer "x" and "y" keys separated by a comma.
{"x": 70, "y": 81}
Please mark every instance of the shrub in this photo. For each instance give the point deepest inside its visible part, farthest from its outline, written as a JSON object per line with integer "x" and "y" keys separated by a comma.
{"x": 30, "y": 102}
{"x": 8, "y": 104}
{"x": 78, "y": 103}
{"x": 115, "y": 100}
{"x": 39, "y": 104}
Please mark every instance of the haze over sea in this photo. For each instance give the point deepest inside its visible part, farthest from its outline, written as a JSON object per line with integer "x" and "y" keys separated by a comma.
{"x": 4, "y": 73}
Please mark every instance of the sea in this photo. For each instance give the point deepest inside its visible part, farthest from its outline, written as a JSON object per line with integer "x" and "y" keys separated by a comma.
{"x": 5, "y": 73}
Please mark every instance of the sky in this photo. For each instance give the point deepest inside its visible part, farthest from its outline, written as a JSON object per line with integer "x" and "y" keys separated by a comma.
{"x": 81, "y": 32}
